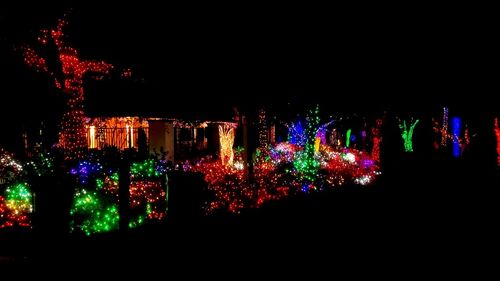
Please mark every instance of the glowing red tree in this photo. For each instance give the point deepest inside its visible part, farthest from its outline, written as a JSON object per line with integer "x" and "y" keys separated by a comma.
{"x": 377, "y": 139}
{"x": 72, "y": 137}
{"x": 497, "y": 134}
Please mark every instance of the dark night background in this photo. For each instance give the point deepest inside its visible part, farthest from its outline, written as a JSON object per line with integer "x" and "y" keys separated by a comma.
{"x": 199, "y": 62}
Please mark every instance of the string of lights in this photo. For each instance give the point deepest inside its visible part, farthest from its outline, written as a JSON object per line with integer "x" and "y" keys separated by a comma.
{"x": 377, "y": 139}
{"x": 95, "y": 210}
{"x": 262, "y": 129}
{"x": 306, "y": 164}
{"x": 348, "y": 138}
{"x": 16, "y": 207}
{"x": 10, "y": 169}
{"x": 72, "y": 137}
{"x": 226, "y": 139}
{"x": 444, "y": 128}
{"x": 456, "y": 127}
{"x": 303, "y": 165}
{"x": 497, "y": 134}
{"x": 407, "y": 134}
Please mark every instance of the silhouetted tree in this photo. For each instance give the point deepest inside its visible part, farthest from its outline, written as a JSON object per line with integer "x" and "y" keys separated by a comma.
{"x": 142, "y": 144}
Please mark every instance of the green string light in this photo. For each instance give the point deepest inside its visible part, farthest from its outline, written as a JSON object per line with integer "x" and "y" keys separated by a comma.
{"x": 348, "y": 138}
{"x": 305, "y": 163}
{"x": 146, "y": 169}
{"x": 407, "y": 134}
{"x": 97, "y": 215}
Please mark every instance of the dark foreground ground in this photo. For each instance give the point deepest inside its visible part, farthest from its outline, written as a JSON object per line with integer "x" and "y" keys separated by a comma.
{"x": 439, "y": 211}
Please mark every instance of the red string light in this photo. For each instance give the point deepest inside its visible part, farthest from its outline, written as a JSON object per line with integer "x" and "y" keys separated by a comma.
{"x": 377, "y": 139}
{"x": 497, "y": 134}
{"x": 72, "y": 137}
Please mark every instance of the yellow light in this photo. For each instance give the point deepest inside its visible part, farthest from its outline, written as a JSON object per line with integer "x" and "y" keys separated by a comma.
{"x": 127, "y": 130}
{"x": 92, "y": 137}
{"x": 226, "y": 138}
{"x": 317, "y": 141}
{"x": 131, "y": 136}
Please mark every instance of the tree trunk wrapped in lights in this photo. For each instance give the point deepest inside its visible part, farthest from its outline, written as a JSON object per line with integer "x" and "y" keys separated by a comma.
{"x": 348, "y": 138}
{"x": 68, "y": 78}
{"x": 226, "y": 138}
{"x": 262, "y": 130}
{"x": 497, "y": 134}
{"x": 306, "y": 164}
{"x": 456, "y": 127}
{"x": 377, "y": 139}
{"x": 407, "y": 134}
{"x": 444, "y": 129}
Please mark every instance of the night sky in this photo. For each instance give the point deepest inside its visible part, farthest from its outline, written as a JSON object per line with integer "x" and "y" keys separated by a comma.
{"x": 199, "y": 62}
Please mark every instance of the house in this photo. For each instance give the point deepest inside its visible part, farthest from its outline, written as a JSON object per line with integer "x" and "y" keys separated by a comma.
{"x": 177, "y": 139}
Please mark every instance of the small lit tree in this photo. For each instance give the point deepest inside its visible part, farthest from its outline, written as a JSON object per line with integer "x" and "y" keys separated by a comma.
{"x": 407, "y": 133}
{"x": 226, "y": 138}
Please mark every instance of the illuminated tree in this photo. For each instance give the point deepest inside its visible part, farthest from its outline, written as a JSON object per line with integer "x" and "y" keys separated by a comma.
{"x": 296, "y": 134}
{"x": 497, "y": 134}
{"x": 456, "y": 126}
{"x": 444, "y": 129}
{"x": 305, "y": 163}
{"x": 348, "y": 138}
{"x": 377, "y": 139}
{"x": 69, "y": 78}
{"x": 262, "y": 129}
{"x": 407, "y": 134}
{"x": 226, "y": 138}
